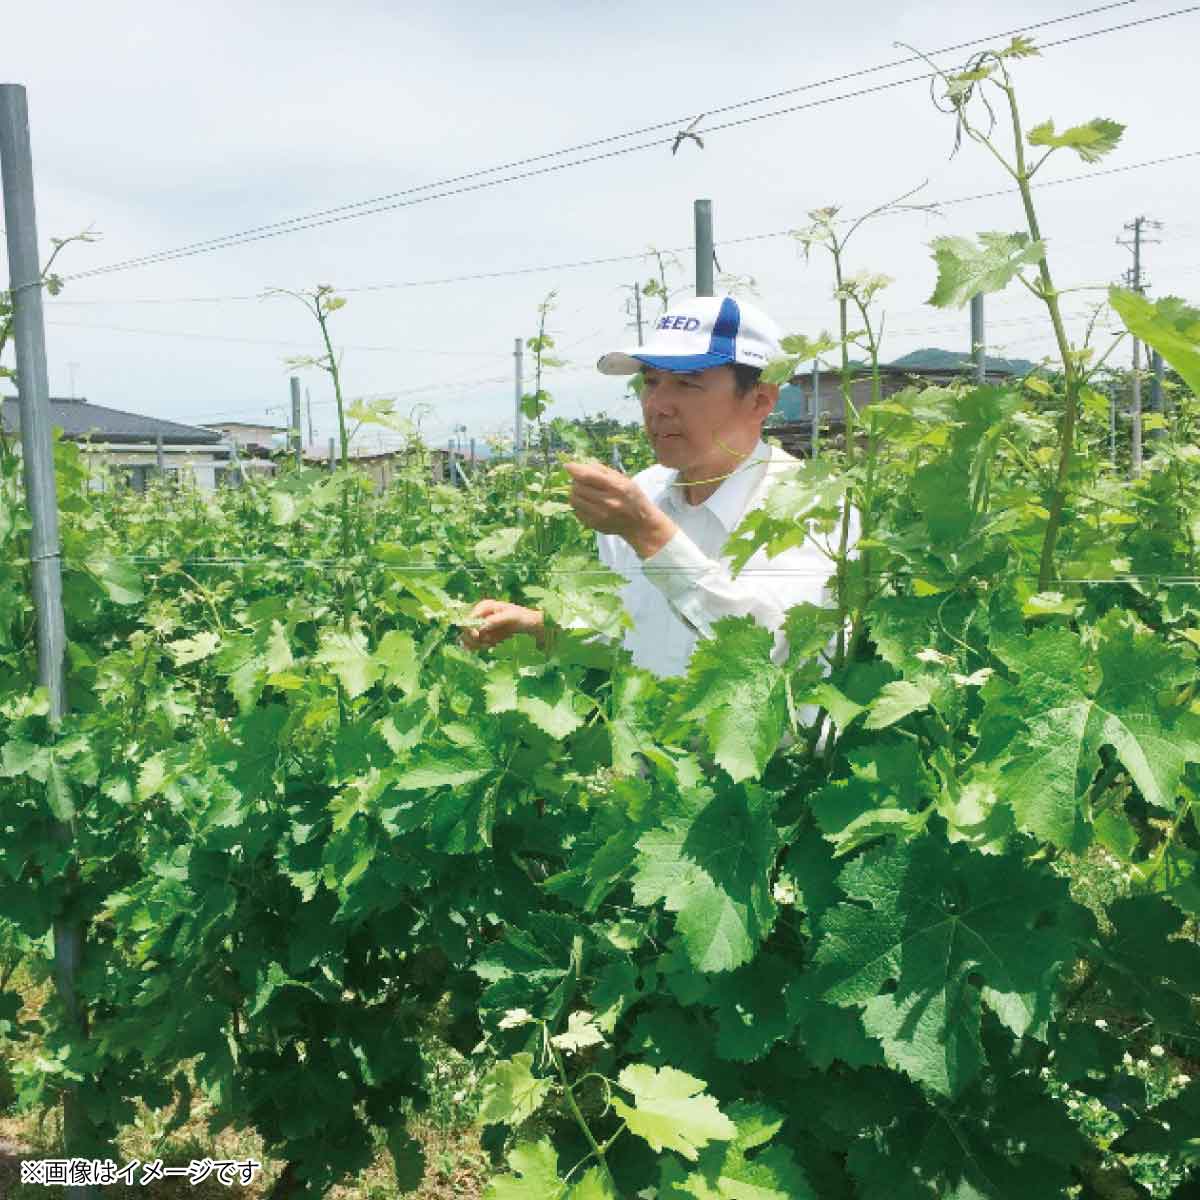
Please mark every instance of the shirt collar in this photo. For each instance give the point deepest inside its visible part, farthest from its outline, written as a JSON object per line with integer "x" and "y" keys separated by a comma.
{"x": 728, "y": 502}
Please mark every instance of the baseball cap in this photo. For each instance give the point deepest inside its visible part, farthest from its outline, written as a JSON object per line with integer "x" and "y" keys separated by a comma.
{"x": 706, "y": 331}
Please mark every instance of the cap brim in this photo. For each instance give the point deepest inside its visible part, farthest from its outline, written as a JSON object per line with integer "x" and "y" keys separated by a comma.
{"x": 626, "y": 363}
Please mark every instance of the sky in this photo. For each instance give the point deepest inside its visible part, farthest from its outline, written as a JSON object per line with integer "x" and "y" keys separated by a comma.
{"x": 168, "y": 124}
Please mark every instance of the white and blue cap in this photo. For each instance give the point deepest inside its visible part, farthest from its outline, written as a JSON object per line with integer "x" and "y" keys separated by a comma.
{"x": 707, "y": 331}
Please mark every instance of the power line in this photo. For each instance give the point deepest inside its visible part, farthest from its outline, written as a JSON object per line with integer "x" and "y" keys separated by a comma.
{"x": 1084, "y": 177}
{"x": 216, "y": 337}
{"x": 369, "y": 208}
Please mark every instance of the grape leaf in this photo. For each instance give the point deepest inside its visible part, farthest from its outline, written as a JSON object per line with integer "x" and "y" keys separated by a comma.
{"x": 408, "y": 1158}
{"x": 1168, "y": 325}
{"x": 1072, "y": 703}
{"x": 950, "y": 930}
{"x": 671, "y": 1111}
{"x": 897, "y": 700}
{"x": 1015, "y": 1142}
{"x": 582, "y": 1031}
{"x": 1091, "y": 141}
{"x": 965, "y": 268}
{"x": 535, "y": 1175}
{"x": 725, "y": 1172}
{"x": 511, "y": 1093}
{"x": 738, "y": 694}
{"x": 347, "y": 656}
{"x": 397, "y": 655}
{"x": 190, "y": 650}
{"x": 1159, "y": 1131}
{"x": 712, "y": 870}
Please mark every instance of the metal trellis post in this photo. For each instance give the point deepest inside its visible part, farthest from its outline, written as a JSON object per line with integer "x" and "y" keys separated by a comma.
{"x": 978, "y": 339}
{"x": 518, "y": 416}
{"x": 33, "y": 394}
{"x": 297, "y": 430}
{"x": 704, "y": 247}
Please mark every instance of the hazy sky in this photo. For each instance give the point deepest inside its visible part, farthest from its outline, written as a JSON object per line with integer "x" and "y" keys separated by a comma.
{"x": 167, "y": 124}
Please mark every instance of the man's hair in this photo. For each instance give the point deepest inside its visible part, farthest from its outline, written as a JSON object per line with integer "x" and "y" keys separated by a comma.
{"x": 745, "y": 377}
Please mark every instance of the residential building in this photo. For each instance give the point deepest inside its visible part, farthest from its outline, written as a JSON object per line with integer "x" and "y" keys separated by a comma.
{"x": 130, "y": 443}
{"x": 791, "y": 421}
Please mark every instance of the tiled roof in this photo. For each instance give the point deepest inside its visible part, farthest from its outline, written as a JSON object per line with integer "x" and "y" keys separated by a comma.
{"x": 78, "y": 419}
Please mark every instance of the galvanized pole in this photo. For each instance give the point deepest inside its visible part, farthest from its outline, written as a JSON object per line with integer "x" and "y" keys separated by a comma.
{"x": 297, "y": 430}
{"x": 312, "y": 441}
{"x": 331, "y": 453}
{"x": 1136, "y": 282}
{"x": 637, "y": 300}
{"x": 1156, "y": 391}
{"x": 704, "y": 247}
{"x": 816, "y": 406}
{"x": 978, "y": 342}
{"x": 33, "y": 394}
{"x": 519, "y": 418}
{"x": 472, "y": 456}
{"x": 159, "y": 457}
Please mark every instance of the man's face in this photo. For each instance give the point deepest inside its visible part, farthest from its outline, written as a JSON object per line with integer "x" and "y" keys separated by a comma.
{"x": 687, "y": 415}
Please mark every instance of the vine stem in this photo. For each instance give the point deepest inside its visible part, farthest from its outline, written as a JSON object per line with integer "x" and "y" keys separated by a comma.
{"x": 1049, "y": 297}
{"x": 597, "y": 1149}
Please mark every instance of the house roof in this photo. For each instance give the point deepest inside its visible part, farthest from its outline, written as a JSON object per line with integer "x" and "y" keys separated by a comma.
{"x": 934, "y": 359}
{"x": 244, "y": 425}
{"x": 79, "y": 419}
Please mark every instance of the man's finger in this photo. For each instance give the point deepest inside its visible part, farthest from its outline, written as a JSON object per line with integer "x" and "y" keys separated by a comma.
{"x": 590, "y": 471}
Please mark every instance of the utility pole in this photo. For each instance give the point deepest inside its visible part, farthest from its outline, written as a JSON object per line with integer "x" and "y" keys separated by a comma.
{"x": 978, "y": 339}
{"x": 704, "y": 247}
{"x": 1133, "y": 279}
{"x": 33, "y": 397}
{"x": 297, "y": 430}
{"x": 312, "y": 441}
{"x": 637, "y": 301}
{"x": 518, "y": 418}
{"x": 332, "y": 445}
{"x": 160, "y": 458}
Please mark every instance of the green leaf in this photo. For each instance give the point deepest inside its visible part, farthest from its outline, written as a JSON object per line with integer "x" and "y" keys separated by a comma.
{"x": 397, "y": 655}
{"x": 1172, "y": 1127}
{"x": 726, "y": 1172}
{"x": 593, "y": 1185}
{"x": 58, "y": 791}
{"x": 1072, "y": 703}
{"x": 581, "y": 1033}
{"x": 931, "y": 934}
{"x": 1169, "y": 325}
{"x": 511, "y": 1092}
{"x": 738, "y": 694}
{"x": 347, "y": 656}
{"x": 190, "y": 650}
{"x": 897, "y": 700}
{"x": 671, "y": 1111}
{"x": 1091, "y": 141}
{"x": 713, "y": 871}
{"x": 966, "y": 269}
{"x": 408, "y": 1158}
{"x": 121, "y": 582}
{"x": 535, "y": 1167}
{"x": 498, "y": 545}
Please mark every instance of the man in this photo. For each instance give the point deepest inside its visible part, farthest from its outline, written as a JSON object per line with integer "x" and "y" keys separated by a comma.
{"x": 704, "y": 405}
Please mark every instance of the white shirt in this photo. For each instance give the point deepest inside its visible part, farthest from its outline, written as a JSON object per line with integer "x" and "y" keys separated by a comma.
{"x": 676, "y": 595}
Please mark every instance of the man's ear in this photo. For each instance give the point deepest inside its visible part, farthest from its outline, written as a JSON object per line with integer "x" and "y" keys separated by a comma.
{"x": 765, "y": 397}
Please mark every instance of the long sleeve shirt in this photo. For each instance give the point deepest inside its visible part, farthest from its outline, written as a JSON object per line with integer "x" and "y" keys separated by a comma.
{"x": 676, "y": 595}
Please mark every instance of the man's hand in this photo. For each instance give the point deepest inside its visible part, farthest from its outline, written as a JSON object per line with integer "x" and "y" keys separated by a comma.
{"x": 607, "y": 501}
{"x": 503, "y": 620}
